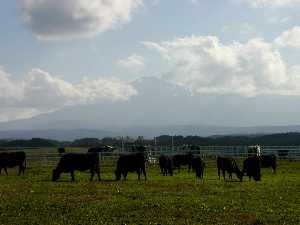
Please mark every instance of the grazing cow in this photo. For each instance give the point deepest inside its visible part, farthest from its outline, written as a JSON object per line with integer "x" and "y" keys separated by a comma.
{"x": 166, "y": 165}
{"x": 13, "y": 159}
{"x": 251, "y": 167}
{"x": 77, "y": 161}
{"x": 198, "y": 166}
{"x": 183, "y": 159}
{"x": 133, "y": 162}
{"x": 229, "y": 165}
{"x": 269, "y": 161}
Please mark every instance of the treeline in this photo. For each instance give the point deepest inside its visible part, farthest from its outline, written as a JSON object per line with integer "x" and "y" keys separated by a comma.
{"x": 284, "y": 139}
{"x": 34, "y": 143}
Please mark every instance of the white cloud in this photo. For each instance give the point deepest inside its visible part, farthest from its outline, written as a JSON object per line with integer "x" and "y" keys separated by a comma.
{"x": 289, "y": 38}
{"x": 13, "y": 113}
{"x": 8, "y": 90}
{"x": 269, "y": 3}
{"x": 41, "y": 92}
{"x": 204, "y": 65}
{"x": 65, "y": 19}
{"x": 134, "y": 63}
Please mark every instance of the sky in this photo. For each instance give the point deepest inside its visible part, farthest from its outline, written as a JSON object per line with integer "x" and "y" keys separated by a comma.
{"x": 60, "y": 53}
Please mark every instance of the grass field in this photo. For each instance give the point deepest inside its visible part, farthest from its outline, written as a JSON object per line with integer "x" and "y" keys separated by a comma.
{"x": 181, "y": 199}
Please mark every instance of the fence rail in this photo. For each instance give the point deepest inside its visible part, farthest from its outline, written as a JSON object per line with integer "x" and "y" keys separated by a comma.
{"x": 50, "y": 157}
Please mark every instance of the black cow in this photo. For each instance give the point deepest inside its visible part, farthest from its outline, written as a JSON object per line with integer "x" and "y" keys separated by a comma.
{"x": 77, "y": 161}
{"x": 166, "y": 165}
{"x": 13, "y": 159}
{"x": 251, "y": 167}
{"x": 229, "y": 165}
{"x": 183, "y": 159}
{"x": 269, "y": 161}
{"x": 198, "y": 166}
{"x": 133, "y": 162}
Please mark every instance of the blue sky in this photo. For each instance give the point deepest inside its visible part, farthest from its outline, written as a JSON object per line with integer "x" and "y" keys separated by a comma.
{"x": 110, "y": 42}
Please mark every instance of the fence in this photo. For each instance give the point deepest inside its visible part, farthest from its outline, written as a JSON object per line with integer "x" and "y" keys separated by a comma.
{"x": 50, "y": 157}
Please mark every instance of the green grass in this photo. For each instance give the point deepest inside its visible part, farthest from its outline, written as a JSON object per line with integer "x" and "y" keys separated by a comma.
{"x": 181, "y": 199}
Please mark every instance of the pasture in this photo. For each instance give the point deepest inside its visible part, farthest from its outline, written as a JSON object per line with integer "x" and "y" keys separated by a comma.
{"x": 181, "y": 199}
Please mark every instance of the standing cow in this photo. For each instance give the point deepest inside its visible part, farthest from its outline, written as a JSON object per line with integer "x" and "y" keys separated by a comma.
{"x": 251, "y": 167}
{"x": 229, "y": 165}
{"x": 13, "y": 159}
{"x": 198, "y": 166}
{"x": 183, "y": 159}
{"x": 77, "y": 161}
{"x": 166, "y": 165}
{"x": 134, "y": 162}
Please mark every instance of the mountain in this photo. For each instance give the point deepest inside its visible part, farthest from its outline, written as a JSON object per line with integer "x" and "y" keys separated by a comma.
{"x": 163, "y": 108}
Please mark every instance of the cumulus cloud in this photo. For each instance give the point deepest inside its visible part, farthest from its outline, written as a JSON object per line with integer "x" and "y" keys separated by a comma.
{"x": 134, "y": 63}
{"x": 205, "y": 65}
{"x": 289, "y": 38}
{"x": 64, "y": 19}
{"x": 41, "y": 92}
{"x": 8, "y": 91}
{"x": 269, "y": 3}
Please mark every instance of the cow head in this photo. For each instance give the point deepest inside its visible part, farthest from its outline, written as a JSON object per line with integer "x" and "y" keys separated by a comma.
{"x": 118, "y": 174}
{"x": 55, "y": 175}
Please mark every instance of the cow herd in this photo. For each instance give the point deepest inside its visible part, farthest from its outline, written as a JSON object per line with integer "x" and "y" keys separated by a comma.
{"x": 135, "y": 162}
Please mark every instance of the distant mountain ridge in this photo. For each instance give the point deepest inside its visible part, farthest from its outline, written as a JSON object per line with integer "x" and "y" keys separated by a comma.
{"x": 146, "y": 131}
{"x": 163, "y": 108}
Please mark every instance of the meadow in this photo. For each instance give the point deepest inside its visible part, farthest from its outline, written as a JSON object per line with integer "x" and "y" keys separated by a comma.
{"x": 181, "y": 199}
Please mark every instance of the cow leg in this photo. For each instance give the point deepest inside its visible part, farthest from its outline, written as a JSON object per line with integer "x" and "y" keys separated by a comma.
{"x": 5, "y": 170}
{"x": 98, "y": 173}
{"x": 24, "y": 166}
{"x": 20, "y": 170}
{"x": 219, "y": 173}
{"x": 23, "y": 169}
{"x": 139, "y": 174}
{"x": 144, "y": 172}
{"x": 162, "y": 170}
{"x": 171, "y": 172}
{"x": 223, "y": 171}
{"x": 92, "y": 174}
{"x": 125, "y": 175}
{"x": 72, "y": 175}
{"x": 230, "y": 175}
